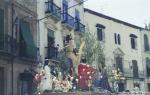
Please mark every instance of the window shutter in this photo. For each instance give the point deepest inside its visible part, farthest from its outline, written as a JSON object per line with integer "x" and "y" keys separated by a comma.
{"x": 115, "y": 36}
{"x": 119, "y": 39}
{"x": 103, "y": 36}
{"x": 146, "y": 43}
{"x": 99, "y": 34}
{"x": 133, "y": 43}
{"x": 135, "y": 40}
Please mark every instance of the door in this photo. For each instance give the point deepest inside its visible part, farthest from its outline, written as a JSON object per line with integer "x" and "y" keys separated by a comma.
{"x": 121, "y": 87}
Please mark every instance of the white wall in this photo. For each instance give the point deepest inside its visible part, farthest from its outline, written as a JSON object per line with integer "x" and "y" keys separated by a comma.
{"x": 109, "y": 43}
{"x": 57, "y": 26}
{"x": 145, "y": 55}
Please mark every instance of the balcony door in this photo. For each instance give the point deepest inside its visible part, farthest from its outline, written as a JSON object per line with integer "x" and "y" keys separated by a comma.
{"x": 1, "y": 81}
{"x": 65, "y": 10}
{"x": 119, "y": 63}
{"x": 135, "y": 69}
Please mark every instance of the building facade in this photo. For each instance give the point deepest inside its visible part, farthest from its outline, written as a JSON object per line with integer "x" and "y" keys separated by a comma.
{"x": 17, "y": 46}
{"x": 122, "y": 48}
{"x": 59, "y": 20}
{"x": 145, "y": 41}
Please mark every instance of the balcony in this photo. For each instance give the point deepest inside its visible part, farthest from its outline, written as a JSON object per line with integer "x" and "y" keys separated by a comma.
{"x": 79, "y": 27}
{"x": 53, "y": 9}
{"x": 68, "y": 20}
{"x": 8, "y": 45}
{"x": 52, "y": 52}
{"x": 129, "y": 74}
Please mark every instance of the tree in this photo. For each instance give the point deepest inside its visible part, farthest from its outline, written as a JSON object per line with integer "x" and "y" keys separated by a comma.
{"x": 93, "y": 51}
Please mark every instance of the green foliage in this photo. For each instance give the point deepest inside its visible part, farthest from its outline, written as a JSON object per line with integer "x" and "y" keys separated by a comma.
{"x": 93, "y": 52}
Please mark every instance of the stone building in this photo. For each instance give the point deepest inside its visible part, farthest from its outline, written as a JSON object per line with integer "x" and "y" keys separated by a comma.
{"x": 145, "y": 43}
{"x": 18, "y": 33}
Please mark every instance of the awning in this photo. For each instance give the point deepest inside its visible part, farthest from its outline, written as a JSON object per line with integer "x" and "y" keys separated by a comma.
{"x": 100, "y": 26}
{"x": 26, "y": 33}
{"x": 133, "y": 35}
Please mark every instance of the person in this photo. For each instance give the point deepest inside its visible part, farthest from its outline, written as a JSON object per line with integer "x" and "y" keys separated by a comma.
{"x": 46, "y": 83}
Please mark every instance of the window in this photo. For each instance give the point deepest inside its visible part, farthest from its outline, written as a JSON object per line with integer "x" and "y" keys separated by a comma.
{"x": 148, "y": 87}
{"x": 135, "y": 69}
{"x": 1, "y": 29}
{"x": 51, "y": 38}
{"x": 146, "y": 43}
{"x": 100, "y": 32}
{"x": 133, "y": 41}
{"x": 119, "y": 42}
{"x": 148, "y": 66}
{"x": 65, "y": 10}
{"x": 52, "y": 50}
{"x": 77, "y": 15}
{"x": 117, "y": 38}
{"x": 27, "y": 45}
{"x": 2, "y": 81}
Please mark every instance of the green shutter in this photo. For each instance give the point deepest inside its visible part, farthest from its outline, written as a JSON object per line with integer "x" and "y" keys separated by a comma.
{"x": 26, "y": 33}
{"x": 1, "y": 29}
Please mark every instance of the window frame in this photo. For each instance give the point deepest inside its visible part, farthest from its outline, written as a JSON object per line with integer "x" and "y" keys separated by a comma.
{"x": 100, "y": 35}
{"x": 117, "y": 38}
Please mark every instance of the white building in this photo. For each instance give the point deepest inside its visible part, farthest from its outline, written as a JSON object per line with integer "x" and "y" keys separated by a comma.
{"x": 60, "y": 19}
{"x": 145, "y": 41}
{"x": 122, "y": 47}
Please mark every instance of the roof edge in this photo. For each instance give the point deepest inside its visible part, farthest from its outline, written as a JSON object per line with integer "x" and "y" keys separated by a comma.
{"x": 114, "y": 19}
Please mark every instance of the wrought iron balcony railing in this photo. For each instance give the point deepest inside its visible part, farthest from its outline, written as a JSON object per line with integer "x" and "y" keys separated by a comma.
{"x": 9, "y": 46}
{"x": 79, "y": 27}
{"x": 53, "y": 9}
{"x": 68, "y": 19}
{"x": 127, "y": 73}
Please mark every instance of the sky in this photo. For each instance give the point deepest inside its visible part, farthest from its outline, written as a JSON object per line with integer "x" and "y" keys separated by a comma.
{"x": 136, "y": 12}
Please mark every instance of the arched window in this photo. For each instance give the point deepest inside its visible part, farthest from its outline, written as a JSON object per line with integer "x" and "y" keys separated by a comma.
{"x": 146, "y": 43}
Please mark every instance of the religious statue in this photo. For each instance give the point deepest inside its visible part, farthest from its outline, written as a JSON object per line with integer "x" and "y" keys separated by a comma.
{"x": 46, "y": 83}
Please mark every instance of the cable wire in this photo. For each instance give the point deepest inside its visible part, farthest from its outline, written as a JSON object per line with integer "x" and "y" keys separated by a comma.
{"x": 61, "y": 11}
